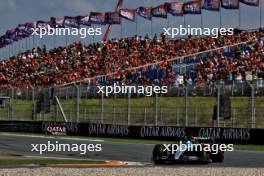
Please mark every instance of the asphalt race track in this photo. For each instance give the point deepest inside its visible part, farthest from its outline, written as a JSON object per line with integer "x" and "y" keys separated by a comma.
{"x": 20, "y": 145}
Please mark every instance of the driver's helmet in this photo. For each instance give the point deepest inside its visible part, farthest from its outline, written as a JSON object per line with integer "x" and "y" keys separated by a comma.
{"x": 189, "y": 139}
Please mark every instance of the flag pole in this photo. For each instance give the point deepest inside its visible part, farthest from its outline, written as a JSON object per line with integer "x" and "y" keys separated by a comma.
{"x": 260, "y": 14}
{"x": 9, "y": 51}
{"x": 151, "y": 23}
{"x": 136, "y": 24}
{"x": 26, "y": 44}
{"x": 42, "y": 41}
{"x": 33, "y": 41}
{"x": 239, "y": 16}
{"x": 220, "y": 16}
{"x": 22, "y": 44}
{"x": 28, "y": 41}
{"x": 202, "y": 19}
{"x": 168, "y": 21}
{"x": 66, "y": 40}
{"x": 121, "y": 28}
{"x": 12, "y": 49}
{"x": 184, "y": 20}
{"x": 54, "y": 41}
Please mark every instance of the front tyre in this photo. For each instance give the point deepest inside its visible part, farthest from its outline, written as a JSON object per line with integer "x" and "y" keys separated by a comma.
{"x": 206, "y": 158}
{"x": 219, "y": 157}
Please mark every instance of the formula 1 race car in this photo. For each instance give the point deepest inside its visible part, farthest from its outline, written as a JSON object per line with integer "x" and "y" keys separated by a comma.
{"x": 191, "y": 149}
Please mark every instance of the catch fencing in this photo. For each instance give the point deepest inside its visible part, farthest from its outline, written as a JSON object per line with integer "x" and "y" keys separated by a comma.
{"x": 223, "y": 104}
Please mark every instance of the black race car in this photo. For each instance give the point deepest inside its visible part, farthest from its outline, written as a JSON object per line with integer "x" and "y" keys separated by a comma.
{"x": 195, "y": 150}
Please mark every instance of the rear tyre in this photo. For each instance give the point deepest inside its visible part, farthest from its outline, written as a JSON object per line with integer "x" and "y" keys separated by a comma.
{"x": 157, "y": 154}
{"x": 159, "y": 162}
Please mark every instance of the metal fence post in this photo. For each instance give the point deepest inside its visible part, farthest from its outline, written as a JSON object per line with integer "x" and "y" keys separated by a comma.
{"x": 195, "y": 117}
{"x": 156, "y": 109}
{"x": 85, "y": 115}
{"x": 114, "y": 115}
{"x": 145, "y": 115}
{"x": 77, "y": 102}
{"x": 33, "y": 103}
{"x": 10, "y": 114}
{"x": 186, "y": 106}
{"x": 102, "y": 108}
{"x": 9, "y": 109}
{"x": 128, "y": 108}
{"x": 177, "y": 116}
{"x": 70, "y": 119}
{"x": 218, "y": 105}
{"x": 254, "y": 111}
{"x": 234, "y": 117}
{"x": 232, "y": 89}
{"x": 57, "y": 113}
{"x": 253, "y": 125}
{"x": 242, "y": 89}
{"x": 161, "y": 117}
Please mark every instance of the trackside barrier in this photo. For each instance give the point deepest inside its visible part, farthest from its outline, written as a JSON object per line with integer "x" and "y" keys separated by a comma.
{"x": 225, "y": 135}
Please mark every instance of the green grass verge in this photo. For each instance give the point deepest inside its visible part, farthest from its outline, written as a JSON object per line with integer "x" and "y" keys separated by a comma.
{"x": 247, "y": 147}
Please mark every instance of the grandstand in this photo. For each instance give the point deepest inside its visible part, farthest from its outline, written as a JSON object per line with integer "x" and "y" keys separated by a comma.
{"x": 201, "y": 73}
{"x": 122, "y": 59}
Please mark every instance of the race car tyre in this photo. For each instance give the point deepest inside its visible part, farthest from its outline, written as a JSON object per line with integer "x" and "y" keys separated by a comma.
{"x": 219, "y": 157}
{"x": 206, "y": 158}
{"x": 157, "y": 154}
{"x": 158, "y": 162}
